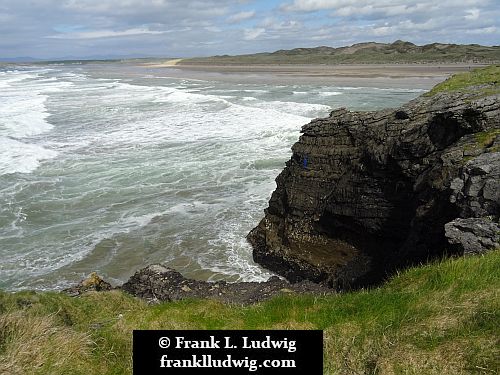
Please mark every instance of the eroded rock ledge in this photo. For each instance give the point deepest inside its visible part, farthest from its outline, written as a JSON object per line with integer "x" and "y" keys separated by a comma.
{"x": 160, "y": 283}
{"x": 365, "y": 193}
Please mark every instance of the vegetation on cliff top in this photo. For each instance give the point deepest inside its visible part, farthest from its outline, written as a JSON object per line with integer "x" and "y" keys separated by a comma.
{"x": 441, "y": 318}
{"x": 364, "y": 53}
{"x": 489, "y": 77}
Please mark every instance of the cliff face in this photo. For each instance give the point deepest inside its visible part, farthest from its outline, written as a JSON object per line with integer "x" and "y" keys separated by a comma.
{"x": 366, "y": 192}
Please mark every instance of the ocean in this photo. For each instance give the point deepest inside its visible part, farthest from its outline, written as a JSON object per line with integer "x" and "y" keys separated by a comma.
{"x": 110, "y": 167}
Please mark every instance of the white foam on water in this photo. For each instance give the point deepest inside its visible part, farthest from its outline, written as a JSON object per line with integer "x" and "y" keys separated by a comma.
{"x": 305, "y": 110}
{"x": 256, "y": 90}
{"x": 22, "y": 104}
{"x": 178, "y": 96}
{"x": 330, "y": 93}
{"x": 349, "y": 88}
{"x": 195, "y": 122}
{"x": 195, "y": 116}
{"x": 365, "y": 88}
{"x": 223, "y": 122}
{"x": 23, "y": 114}
{"x": 21, "y": 157}
{"x": 128, "y": 222}
{"x": 238, "y": 254}
{"x": 77, "y": 77}
{"x": 42, "y": 260}
{"x": 397, "y": 89}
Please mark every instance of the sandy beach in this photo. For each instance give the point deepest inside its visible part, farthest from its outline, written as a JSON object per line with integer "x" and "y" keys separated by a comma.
{"x": 422, "y": 76}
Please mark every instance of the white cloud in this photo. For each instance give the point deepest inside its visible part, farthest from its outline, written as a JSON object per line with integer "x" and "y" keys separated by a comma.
{"x": 382, "y": 10}
{"x": 136, "y": 7}
{"x": 287, "y": 25}
{"x": 419, "y": 21}
{"x": 241, "y": 16}
{"x": 369, "y": 9}
{"x": 252, "y": 34}
{"x": 213, "y": 29}
{"x": 312, "y": 5}
{"x": 105, "y": 34}
{"x": 383, "y": 31}
{"x": 51, "y": 28}
{"x": 383, "y": 7}
{"x": 483, "y": 30}
{"x": 472, "y": 14}
{"x": 268, "y": 22}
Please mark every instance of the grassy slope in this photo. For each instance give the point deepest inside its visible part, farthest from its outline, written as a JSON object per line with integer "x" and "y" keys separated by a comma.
{"x": 488, "y": 76}
{"x": 436, "y": 319}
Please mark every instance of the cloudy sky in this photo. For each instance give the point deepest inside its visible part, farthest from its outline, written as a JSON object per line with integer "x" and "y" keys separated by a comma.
{"x": 183, "y": 28}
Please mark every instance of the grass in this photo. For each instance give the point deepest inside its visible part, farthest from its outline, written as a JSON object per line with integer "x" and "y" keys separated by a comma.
{"x": 487, "y": 138}
{"x": 488, "y": 76}
{"x": 440, "y": 318}
{"x": 481, "y": 142}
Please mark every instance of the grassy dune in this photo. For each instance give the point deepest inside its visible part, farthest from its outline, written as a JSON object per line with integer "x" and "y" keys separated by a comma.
{"x": 440, "y": 318}
{"x": 399, "y": 52}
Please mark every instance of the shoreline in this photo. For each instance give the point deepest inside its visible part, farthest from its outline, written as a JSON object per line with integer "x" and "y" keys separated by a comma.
{"x": 421, "y": 76}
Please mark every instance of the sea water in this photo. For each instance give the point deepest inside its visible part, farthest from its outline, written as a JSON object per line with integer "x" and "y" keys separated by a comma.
{"x": 109, "y": 168}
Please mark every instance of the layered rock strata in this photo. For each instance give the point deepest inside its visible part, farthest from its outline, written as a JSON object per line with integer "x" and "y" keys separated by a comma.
{"x": 365, "y": 193}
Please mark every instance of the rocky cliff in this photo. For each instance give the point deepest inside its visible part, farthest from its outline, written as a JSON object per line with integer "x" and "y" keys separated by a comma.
{"x": 365, "y": 193}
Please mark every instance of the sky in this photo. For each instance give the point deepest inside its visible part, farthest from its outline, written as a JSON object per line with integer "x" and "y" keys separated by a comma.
{"x": 186, "y": 28}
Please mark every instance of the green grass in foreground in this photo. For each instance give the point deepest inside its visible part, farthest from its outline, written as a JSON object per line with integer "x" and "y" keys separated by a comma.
{"x": 437, "y": 319}
{"x": 489, "y": 76}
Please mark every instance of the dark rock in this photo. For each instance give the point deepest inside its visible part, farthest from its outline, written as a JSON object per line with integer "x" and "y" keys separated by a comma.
{"x": 379, "y": 188}
{"x": 401, "y": 115}
{"x": 476, "y": 190}
{"x": 473, "y": 235}
{"x": 160, "y": 283}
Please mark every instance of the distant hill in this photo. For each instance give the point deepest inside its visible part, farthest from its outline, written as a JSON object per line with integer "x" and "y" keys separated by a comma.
{"x": 365, "y": 53}
{"x": 18, "y": 59}
{"x": 84, "y": 59}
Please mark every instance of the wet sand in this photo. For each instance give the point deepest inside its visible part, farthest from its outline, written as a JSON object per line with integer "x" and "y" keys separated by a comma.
{"x": 422, "y": 76}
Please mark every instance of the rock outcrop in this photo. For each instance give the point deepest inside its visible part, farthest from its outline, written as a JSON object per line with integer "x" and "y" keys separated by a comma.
{"x": 473, "y": 235}
{"x": 157, "y": 283}
{"x": 365, "y": 193}
{"x": 92, "y": 283}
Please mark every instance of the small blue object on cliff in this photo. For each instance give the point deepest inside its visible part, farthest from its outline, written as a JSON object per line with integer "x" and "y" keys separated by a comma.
{"x": 304, "y": 161}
